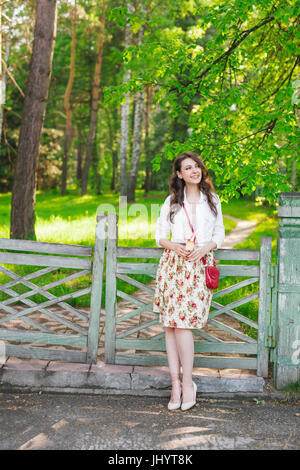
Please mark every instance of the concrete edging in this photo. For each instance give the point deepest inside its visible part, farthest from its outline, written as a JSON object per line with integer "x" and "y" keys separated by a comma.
{"x": 56, "y": 376}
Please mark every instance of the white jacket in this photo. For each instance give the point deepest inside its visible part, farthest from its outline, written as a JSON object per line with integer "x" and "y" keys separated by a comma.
{"x": 207, "y": 226}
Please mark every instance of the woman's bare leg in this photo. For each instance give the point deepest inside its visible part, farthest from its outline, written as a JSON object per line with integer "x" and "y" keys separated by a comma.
{"x": 185, "y": 348}
{"x": 174, "y": 364}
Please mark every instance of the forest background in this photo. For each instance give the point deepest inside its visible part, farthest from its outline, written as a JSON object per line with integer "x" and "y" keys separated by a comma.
{"x": 133, "y": 84}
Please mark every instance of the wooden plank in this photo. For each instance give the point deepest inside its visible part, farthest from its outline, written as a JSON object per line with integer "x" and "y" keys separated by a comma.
{"x": 130, "y": 298}
{"x": 274, "y": 314}
{"x": 133, "y": 313}
{"x": 45, "y": 247}
{"x": 235, "y": 254}
{"x": 135, "y": 283}
{"x": 238, "y": 270}
{"x": 200, "y": 346}
{"x": 26, "y": 311}
{"x": 137, "y": 268}
{"x": 209, "y": 362}
{"x": 150, "y": 269}
{"x": 234, "y": 287}
{"x": 30, "y": 303}
{"x": 139, "y": 252}
{"x": 231, "y": 331}
{"x": 233, "y": 314}
{"x": 96, "y": 292}
{"x": 264, "y": 308}
{"x": 208, "y": 337}
{"x": 33, "y": 275}
{"x": 45, "y": 353}
{"x": 41, "y": 290}
{"x": 235, "y": 303}
{"x": 111, "y": 289}
{"x": 44, "y": 338}
{"x": 143, "y": 326}
{"x": 222, "y": 254}
{"x": 43, "y": 260}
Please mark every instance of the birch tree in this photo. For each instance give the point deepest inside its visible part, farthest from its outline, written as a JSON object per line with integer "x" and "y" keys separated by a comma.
{"x": 94, "y": 102}
{"x": 137, "y": 127}
{"x": 67, "y": 104}
{"x": 125, "y": 110}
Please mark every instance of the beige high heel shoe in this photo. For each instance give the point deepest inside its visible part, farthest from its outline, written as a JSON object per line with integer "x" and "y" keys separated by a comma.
{"x": 175, "y": 406}
{"x": 190, "y": 404}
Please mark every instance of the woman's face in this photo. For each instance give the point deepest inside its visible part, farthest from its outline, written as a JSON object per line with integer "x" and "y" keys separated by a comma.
{"x": 190, "y": 171}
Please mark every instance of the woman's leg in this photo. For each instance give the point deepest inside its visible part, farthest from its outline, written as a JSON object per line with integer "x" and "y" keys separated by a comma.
{"x": 174, "y": 364}
{"x": 185, "y": 347}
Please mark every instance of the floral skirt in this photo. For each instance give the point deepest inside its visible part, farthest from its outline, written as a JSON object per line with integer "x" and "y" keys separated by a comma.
{"x": 181, "y": 296}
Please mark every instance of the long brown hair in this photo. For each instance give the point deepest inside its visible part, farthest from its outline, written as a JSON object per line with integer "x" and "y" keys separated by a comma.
{"x": 176, "y": 184}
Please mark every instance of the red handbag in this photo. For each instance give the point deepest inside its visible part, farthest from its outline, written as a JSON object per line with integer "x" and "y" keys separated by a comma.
{"x": 212, "y": 273}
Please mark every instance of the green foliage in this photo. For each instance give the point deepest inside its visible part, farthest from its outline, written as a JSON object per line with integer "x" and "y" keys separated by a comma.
{"x": 225, "y": 69}
{"x": 225, "y": 76}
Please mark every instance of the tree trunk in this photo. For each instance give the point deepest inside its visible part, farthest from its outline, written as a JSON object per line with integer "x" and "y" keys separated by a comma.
{"x": 94, "y": 104}
{"x": 24, "y": 185}
{"x": 79, "y": 154}
{"x": 1, "y": 75}
{"x": 125, "y": 109}
{"x": 111, "y": 124}
{"x": 137, "y": 133}
{"x": 67, "y": 106}
{"x": 147, "y": 147}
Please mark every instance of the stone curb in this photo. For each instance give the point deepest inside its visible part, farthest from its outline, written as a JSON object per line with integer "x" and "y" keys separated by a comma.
{"x": 57, "y": 376}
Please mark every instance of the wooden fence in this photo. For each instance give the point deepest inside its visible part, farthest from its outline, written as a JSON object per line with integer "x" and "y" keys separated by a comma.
{"x": 239, "y": 351}
{"x": 33, "y": 322}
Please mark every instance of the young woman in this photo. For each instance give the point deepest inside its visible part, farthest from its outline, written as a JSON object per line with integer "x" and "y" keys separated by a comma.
{"x": 192, "y": 211}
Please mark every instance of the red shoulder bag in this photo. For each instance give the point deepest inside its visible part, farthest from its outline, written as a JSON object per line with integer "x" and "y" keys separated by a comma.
{"x": 212, "y": 273}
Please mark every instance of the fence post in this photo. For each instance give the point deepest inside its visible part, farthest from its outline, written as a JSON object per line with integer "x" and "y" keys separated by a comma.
{"x": 111, "y": 289}
{"x": 287, "y": 354}
{"x": 96, "y": 292}
{"x": 264, "y": 305}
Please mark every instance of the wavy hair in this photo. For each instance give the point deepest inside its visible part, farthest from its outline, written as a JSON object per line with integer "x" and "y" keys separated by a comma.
{"x": 176, "y": 184}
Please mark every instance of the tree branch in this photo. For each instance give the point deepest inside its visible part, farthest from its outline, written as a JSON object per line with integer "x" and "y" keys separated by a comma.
{"x": 12, "y": 78}
{"x": 288, "y": 77}
{"x": 235, "y": 44}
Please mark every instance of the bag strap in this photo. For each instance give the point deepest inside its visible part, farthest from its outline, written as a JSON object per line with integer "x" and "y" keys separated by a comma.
{"x": 192, "y": 228}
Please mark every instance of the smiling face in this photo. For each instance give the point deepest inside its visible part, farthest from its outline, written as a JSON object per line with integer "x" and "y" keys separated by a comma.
{"x": 190, "y": 171}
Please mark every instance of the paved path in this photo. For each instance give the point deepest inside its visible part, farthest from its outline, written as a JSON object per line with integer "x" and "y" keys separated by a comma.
{"x": 241, "y": 231}
{"x": 77, "y": 422}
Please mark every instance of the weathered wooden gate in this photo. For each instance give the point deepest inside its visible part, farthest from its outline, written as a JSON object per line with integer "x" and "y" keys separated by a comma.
{"x": 229, "y": 340}
{"x": 49, "y": 326}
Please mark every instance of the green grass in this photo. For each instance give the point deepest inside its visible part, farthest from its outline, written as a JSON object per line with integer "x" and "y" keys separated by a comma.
{"x": 72, "y": 220}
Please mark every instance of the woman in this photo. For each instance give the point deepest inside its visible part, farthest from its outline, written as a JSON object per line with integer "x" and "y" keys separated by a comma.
{"x": 192, "y": 211}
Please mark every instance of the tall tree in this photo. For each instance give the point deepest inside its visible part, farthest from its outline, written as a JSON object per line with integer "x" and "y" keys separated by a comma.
{"x": 125, "y": 110}
{"x": 24, "y": 185}
{"x": 149, "y": 95}
{"x": 137, "y": 127}
{"x": 67, "y": 104}
{"x": 94, "y": 102}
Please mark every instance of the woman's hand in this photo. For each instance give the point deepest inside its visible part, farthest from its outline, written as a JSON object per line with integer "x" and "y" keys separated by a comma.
{"x": 197, "y": 254}
{"x": 180, "y": 250}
